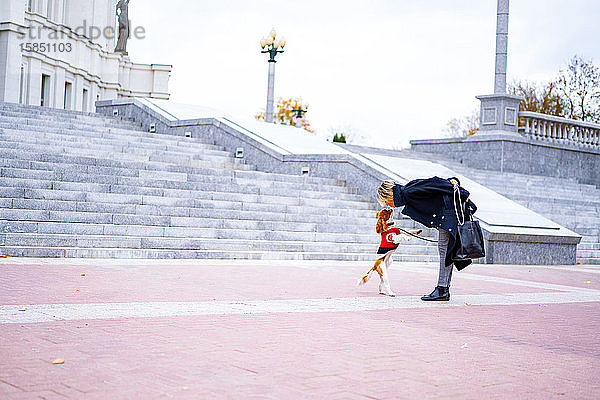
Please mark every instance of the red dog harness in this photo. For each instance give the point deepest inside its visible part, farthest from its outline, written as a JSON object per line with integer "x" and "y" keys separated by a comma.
{"x": 386, "y": 245}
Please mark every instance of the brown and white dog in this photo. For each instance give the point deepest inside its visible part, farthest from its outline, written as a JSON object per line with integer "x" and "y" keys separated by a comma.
{"x": 390, "y": 239}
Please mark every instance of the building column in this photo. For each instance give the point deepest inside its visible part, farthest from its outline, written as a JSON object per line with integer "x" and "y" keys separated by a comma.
{"x": 59, "y": 88}
{"x": 12, "y": 14}
{"x": 35, "y": 82}
{"x": 78, "y": 93}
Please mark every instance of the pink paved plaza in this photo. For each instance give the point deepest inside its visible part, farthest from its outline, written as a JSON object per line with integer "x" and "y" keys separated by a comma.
{"x": 138, "y": 329}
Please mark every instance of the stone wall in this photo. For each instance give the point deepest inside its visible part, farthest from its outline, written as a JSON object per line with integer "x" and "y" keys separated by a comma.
{"x": 519, "y": 154}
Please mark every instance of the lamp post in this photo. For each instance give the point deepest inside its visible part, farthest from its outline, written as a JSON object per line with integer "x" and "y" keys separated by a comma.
{"x": 270, "y": 45}
{"x": 298, "y": 117}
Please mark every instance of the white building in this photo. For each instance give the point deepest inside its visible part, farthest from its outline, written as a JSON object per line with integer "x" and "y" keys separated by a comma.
{"x": 60, "y": 53}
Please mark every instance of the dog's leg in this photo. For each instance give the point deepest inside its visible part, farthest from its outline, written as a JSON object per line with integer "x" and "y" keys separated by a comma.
{"x": 367, "y": 276}
{"x": 387, "y": 263}
{"x": 379, "y": 268}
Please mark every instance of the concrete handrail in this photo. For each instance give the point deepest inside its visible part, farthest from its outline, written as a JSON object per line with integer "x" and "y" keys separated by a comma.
{"x": 558, "y": 129}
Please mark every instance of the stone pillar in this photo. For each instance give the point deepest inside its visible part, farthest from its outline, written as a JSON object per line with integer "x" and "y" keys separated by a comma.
{"x": 500, "y": 111}
{"x": 501, "y": 47}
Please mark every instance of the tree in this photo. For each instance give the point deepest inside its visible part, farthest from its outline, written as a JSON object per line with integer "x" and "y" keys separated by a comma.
{"x": 339, "y": 139}
{"x": 285, "y": 115}
{"x": 579, "y": 84}
{"x": 346, "y": 133}
{"x": 544, "y": 99}
{"x": 574, "y": 94}
{"x": 465, "y": 126}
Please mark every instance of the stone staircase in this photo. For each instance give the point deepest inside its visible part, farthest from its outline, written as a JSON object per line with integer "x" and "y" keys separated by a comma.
{"x": 78, "y": 184}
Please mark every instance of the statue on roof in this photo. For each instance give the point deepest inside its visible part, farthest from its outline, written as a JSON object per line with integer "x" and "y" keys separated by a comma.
{"x": 123, "y": 17}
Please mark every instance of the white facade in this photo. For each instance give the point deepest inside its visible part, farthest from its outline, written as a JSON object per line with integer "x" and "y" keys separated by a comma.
{"x": 59, "y": 53}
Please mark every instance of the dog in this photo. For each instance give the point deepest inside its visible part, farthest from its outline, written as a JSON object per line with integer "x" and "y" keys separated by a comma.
{"x": 390, "y": 239}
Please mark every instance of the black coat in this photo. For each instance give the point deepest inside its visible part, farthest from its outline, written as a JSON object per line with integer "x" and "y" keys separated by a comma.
{"x": 430, "y": 202}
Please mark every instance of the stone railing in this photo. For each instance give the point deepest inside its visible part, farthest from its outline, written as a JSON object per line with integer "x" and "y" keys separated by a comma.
{"x": 559, "y": 130}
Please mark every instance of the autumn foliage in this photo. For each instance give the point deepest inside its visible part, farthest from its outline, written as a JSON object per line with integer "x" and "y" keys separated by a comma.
{"x": 285, "y": 115}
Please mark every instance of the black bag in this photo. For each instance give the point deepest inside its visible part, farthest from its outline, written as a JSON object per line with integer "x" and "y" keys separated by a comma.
{"x": 471, "y": 241}
{"x": 469, "y": 234}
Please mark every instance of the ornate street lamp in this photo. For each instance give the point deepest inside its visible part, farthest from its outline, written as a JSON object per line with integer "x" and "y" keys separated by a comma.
{"x": 270, "y": 45}
{"x": 298, "y": 116}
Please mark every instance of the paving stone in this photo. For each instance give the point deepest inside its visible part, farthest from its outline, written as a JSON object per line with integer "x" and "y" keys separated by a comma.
{"x": 136, "y": 328}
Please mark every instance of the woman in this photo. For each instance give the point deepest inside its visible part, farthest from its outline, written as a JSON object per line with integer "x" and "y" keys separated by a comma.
{"x": 432, "y": 202}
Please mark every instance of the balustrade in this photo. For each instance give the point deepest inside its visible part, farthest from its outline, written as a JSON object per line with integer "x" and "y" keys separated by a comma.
{"x": 559, "y": 130}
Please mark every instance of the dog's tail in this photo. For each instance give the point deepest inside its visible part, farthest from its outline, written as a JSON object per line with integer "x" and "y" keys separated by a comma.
{"x": 365, "y": 278}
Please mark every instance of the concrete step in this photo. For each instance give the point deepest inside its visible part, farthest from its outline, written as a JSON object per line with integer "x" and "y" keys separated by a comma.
{"x": 513, "y": 176}
{"x": 588, "y": 246}
{"x": 174, "y": 243}
{"x": 485, "y": 175}
{"x": 17, "y": 197}
{"x": 196, "y": 209}
{"x": 557, "y": 195}
{"x": 122, "y": 196}
{"x": 83, "y": 122}
{"x": 126, "y": 226}
{"x": 6, "y": 106}
{"x": 590, "y": 239}
{"x": 537, "y": 185}
{"x": 110, "y": 129}
{"x": 49, "y": 252}
{"x": 588, "y": 261}
{"x": 134, "y": 151}
{"x": 594, "y": 232}
{"x": 558, "y": 204}
{"x": 152, "y": 183}
{"x": 189, "y": 208}
{"x": 125, "y": 156}
{"x": 60, "y": 170}
{"x": 185, "y": 147}
{"x": 36, "y": 160}
{"x": 174, "y": 218}
{"x": 241, "y": 171}
{"x": 521, "y": 179}
{"x": 106, "y": 133}
{"x": 588, "y": 253}
{"x": 47, "y": 112}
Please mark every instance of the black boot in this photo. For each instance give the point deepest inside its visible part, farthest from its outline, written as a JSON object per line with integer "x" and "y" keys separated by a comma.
{"x": 440, "y": 293}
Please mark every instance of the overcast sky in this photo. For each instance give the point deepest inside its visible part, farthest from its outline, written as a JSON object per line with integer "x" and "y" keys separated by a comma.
{"x": 388, "y": 70}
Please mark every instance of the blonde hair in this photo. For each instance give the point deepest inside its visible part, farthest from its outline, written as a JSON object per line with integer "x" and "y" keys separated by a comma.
{"x": 385, "y": 192}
